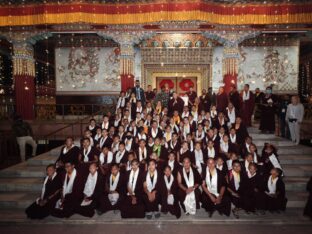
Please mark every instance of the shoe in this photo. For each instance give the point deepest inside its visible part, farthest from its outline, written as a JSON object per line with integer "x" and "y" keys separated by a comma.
{"x": 149, "y": 215}
{"x": 157, "y": 215}
{"x": 235, "y": 214}
{"x": 99, "y": 212}
{"x": 210, "y": 214}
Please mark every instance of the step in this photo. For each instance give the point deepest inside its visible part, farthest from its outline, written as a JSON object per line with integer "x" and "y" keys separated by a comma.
{"x": 295, "y": 159}
{"x": 17, "y": 199}
{"x": 259, "y": 136}
{"x": 296, "y": 199}
{"x": 276, "y": 142}
{"x": 297, "y": 170}
{"x": 42, "y": 160}
{"x": 23, "y": 170}
{"x": 20, "y": 184}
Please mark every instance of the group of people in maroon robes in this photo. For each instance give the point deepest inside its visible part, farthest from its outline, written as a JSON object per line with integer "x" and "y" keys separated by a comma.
{"x": 148, "y": 159}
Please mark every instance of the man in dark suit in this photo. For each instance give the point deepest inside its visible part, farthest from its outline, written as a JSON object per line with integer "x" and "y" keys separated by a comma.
{"x": 139, "y": 92}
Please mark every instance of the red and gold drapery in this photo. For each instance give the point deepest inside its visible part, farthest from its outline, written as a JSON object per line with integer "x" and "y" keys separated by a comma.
{"x": 134, "y": 13}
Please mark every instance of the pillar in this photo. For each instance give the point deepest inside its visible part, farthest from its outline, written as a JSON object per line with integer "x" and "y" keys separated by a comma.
{"x": 24, "y": 79}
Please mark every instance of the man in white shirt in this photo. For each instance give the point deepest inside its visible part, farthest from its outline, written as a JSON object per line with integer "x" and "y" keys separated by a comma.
{"x": 294, "y": 117}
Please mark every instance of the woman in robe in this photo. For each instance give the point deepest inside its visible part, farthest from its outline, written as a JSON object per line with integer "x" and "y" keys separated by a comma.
{"x": 189, "y": 181}
{"x": 44, "y": 204}
{"x": 214, "y": 190}
{"x": 185, "y": 153}
{"x": 273, "y": 197}
{"x": 71, "y": 194}
{"x": 268, "y": 108}
{"x": 169, "y": 193}
{"x": 151, "y": 196}
{"x": 88, "y": 154}
{"x": 92, "y": 191}
{"x": 69, "y": 152}
{"x": 132, "y": 206}
{"x": 173, "y": 164}
{"x": 235, "y": 179}
{"x": 114, "y": 192}
{"x": 199, "y": 158}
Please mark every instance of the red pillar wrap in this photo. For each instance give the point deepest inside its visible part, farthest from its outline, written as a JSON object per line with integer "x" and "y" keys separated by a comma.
{"x": 127, "y": 81}
{"x": 25, "y": 96}
{"x": 229, "y": 80}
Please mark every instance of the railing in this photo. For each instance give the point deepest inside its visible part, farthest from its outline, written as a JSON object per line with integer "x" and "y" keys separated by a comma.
{"x": 59, "y": 111}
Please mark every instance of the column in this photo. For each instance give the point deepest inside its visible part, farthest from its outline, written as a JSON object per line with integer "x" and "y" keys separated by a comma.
{"x": 230, "y": 66}
{"x": 24, "y": 78}
{"x": 126, "y": 65}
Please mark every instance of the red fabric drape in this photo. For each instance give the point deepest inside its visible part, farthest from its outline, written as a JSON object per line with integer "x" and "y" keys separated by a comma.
{"x": 25, "y": 96}
{"x": 127, "y": 81}
{"x": 229, "y": 80}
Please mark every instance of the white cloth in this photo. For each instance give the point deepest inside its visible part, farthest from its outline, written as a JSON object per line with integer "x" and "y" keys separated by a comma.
{"x": 119, "y": 156}
{"x": 133, "y": 180}
{"x": 102, "y": 141}
{"x": 199, "y": 160}
{"x": 154, "y": 133}
{"x": 233, "y": 138}
{"x": 170, "y": 198}
{"x": 109, "y": 158}
{"x": 211, "y": 152}
{"x": 65, "y": 149}
{"x": 246, "y": 95}
{"x": 275, "y": 162}
{"x": 190, "y": 200}
{"x": 67, "y": 187}
{"x": 149, "y": 183}
{"x": 212, "y": 184}
{"x": 224, "y": 147}
{"x": 142, "y": 153}
{"x": 272, "y": 185}
{"x": 231, "y": 115}
{"x": 236, "y": 180}
{"x": 113, "y": 185}
{"x": 86, "y": 153}
{"x": 171, "y": 164}
{"x": 90, "y": 184}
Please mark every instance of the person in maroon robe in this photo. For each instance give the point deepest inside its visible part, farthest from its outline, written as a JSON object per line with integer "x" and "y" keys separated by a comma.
{"x": 247, "y": 105}
{"x": 114, "y": 191}
{"x": 151, "y": 186}
{"x": 205, "y": 102}
{"x": 45, "y": 204}
{"x": 234, "y": 97}
{"x": 92, "y": 191}
{"x": 176, "y": 103}
{"x": 71, "y": 194}
{"x": 192, "y": 95}
{"x": 214, "y": 195}
{"x": 132, "y": 206}
{"x": 222, "y": 100}
{"x": 169, "y": 193}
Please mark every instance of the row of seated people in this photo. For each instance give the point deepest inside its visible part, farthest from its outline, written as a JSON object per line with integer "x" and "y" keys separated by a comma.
{"x": 252, "y": 183}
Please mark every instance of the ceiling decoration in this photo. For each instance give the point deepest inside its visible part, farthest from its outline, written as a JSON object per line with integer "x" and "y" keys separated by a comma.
{"x": 19, "y": 13}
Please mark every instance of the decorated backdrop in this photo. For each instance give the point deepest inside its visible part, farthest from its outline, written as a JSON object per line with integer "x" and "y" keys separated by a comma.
{"x": 87, "y": 69}
{"x": 261, "y": 67}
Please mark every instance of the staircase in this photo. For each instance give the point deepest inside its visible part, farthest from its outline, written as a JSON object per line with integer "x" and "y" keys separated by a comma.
{"x": 21, "y": 184}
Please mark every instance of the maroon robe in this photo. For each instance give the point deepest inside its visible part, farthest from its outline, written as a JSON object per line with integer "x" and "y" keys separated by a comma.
{"x": 222, "y": 102}
{"x": 247, "y": 108}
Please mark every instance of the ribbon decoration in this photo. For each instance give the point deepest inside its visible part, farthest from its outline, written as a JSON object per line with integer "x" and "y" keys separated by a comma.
{"x": 23, "y": 59}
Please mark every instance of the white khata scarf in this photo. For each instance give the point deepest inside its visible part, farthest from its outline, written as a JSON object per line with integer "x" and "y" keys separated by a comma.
{"x": 151, "y": 184}
{"x": 109, "y": 158}
{"x": 90, "y": 184}
{"x": 170, "y": 198}
{"x": 68, "y": 187}
{"x": 236, "y": 177}
{"x": 272, "y": 185}
{"x": 86, "y": 153}
{"x": 211, "y": 152}
{"x": 190, "y": 200}
{"x": 113, "y": 184}
{"x": 119, "y": 156}
{"x": 231, "y": 115}
{"x": 65, "y": 150}
{"x": 133, "y": 180}
{"x": 154, "y": 133}
{"x": 233, "y": 138}
{"x": 142, "y": 154}
{"x": 212, "y": 184}
{"x": 199, "y": 160}
{"x": 102, "y": 141}
{"x": 246, "y": 96}
{"x": 275, "y": 162}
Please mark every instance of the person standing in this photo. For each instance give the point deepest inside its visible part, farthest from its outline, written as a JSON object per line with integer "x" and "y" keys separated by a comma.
{"x": 163, "y": 97}
{"x": 247, "y": 105}
{"x": 24, "y": 135}
{"x": 234, "y": 97}
{"x": 149, "y": 94}
{"x": 294, "y": 117}
{"x": 139, "y": 92}
{"x": 268, "y": 107}
{"x": 283, "y": 103}
{"x": 222, "y": 100}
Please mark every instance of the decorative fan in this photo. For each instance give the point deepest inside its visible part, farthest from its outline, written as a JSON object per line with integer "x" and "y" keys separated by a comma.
{"x": 185, "y": 84}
